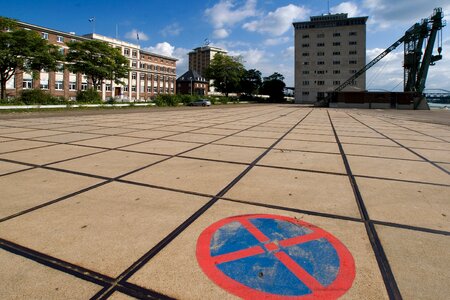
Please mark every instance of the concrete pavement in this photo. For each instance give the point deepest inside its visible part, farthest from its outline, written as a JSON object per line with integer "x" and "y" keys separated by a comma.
{"x": 116, "y": 206}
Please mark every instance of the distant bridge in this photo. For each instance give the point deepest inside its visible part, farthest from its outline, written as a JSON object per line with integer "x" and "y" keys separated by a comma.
{"x": 437, "y": 95}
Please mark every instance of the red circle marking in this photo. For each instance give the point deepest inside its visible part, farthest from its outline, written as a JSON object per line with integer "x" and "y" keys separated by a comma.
{"x": 337, "y": 288}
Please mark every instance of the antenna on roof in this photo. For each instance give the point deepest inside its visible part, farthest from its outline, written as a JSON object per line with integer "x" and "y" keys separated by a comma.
{"x": 206, "y": 42}
{"x": 328, "y": 7}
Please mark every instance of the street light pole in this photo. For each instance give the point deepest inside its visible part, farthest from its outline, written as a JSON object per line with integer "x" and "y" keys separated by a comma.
{"x": 191, "y": 85}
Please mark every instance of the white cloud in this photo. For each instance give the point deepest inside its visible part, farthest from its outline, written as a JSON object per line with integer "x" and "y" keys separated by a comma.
{"x": 133, "y": 35}
{"x": 279, "y": 21}
{"x": 171, "y": 30}
{"x": 221, "y": 33}
{"x": 386, "y": 14}
{"x": 227, "y": 13}
{"x": 276, "y": 41}
{"x": 349, "y": 8}
{"x": 289, "y": 52}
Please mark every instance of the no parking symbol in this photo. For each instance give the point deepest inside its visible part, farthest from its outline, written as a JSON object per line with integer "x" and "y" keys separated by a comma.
{"x": 275, "y": 257}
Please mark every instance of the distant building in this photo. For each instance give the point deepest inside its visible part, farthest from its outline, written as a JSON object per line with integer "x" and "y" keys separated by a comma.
{"x": 200, "y": 58}
{"x": 328, "y": 50}
{"x": 192, "y": 83}
{"x": 150, "y": 74}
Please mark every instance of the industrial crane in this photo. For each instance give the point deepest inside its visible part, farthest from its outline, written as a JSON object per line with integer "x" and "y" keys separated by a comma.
{"x": 416, "y": 63}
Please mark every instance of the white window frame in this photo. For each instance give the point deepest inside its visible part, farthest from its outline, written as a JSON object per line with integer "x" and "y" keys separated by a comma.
{"x": 59, "y": 85}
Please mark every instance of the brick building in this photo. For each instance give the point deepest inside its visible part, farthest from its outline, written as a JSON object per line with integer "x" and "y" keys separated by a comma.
{"x": 192, "y": 83}
{"x": 150, "y": 74}
{"x": 328, "y": 50}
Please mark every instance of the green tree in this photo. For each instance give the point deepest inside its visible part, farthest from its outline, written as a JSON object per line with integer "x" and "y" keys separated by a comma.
{"x": 24, "y": 50}
{"x": 97, "y": 60}
{"x": 226, "y": 71}
{"x": 251, "y": 82}
{"x": 274, "y": 87}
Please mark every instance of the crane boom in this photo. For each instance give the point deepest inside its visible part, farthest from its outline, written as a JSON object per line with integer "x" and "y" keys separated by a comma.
{"x": 370, "y": 64}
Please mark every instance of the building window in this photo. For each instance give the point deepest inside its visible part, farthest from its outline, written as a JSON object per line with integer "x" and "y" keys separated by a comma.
{"x": 60, "y": 68}
{"x": 84, "y": 86}
{"x": 352, "y": 43}
{"x": 305, "y": 45}
{"x": 336, "y": 62}
{"x": 336, "y": 82}
{"x": 60, "y": 39}
{"x": 336, "y": 43}
{"x": 149, "y": 89}
{"x": 352, "y": 62}
{"x": 353, "y": 52}
{"x": 305, "y": 54}
{"x": 44, "y": 35}
{"x": 27, "y": 84}
{"x": 320, "y": 44}
{"x": 155, "y": 90}
{"x": 133, "y": 76}
{"x": 305, "y": 72}
{"x": 305, "y": 82}
{"x": 320, "y": 82}
{"x": 352, "y": 33}
{"x": 61, "y": 50}
{"x": 352, "y": 71}
{"x": 336, "y": 34}
{"x": 320, "y": 62}
{"x": 108, "y": 87}
{"x": 125, "y": 88}
{"x": 320, "y": 53}
{"x": 142, "y": 88}
{"x": 44, "y": 85}
{"x": 305, "y": 36}
{"x": 134, "y": 53}
{"x": 142, "y": 76}
{"x": 59, "y": 85}
{"x": 305, "y": 93}
{"x": 321, "y": 35}
{"x": 320, "y": 72}
{"x": 336, "y": 71}
{"x": 305, "y": 63}
{"x": 72, "y": 85}
{"x": 133, "y": 88}
{"x": 336, "y": 53}
{"x": 126, "y": 52}
{"x": 133, "y": 64}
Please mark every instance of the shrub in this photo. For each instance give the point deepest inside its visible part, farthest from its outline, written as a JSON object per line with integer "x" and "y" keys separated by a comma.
{"x": 29, "y": 97}
{"x": 89, "y": 96}
{"x": 166, "y": 100}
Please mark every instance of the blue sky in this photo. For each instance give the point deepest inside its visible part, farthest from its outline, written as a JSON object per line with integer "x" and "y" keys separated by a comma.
{"x": 259, "y": 30}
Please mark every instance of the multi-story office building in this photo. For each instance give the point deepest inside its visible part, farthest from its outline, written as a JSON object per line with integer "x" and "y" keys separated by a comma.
{"x": 328, "y": 50}
{"x": 150, "y": 74}
{"x": 200, "y": 58}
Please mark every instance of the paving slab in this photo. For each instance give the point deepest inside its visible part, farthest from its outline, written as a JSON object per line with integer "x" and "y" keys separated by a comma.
{"x": 49, "y": 154}
{"x": 32, "y": 134}
{"x": 162, "y": 147}
{"x": 8, "y": 167}
{"x": 111, "y": 142}
{"x": 247, "y": 141}
{"x": 434, "y": 155}
{"x": 193, "y": 137}
{"x": 310, "y": 137}
{"x": 68, "y": 137}
{"x": 24, "y": 190}
{"x": 420, "y": 171}
{"x": 26, "y": 279}
{"x": 111, "y": 163}
{"x": 183, "y": 278}
{"x": 313, "y": 146}
{"x": 380, "y": 151}
{"x": 419, "y": 261}
{"x": 226, "y": 153}
{"x": 16, "y": 145}
{"x": 192, "y": 175}
{"x": 418, "y": 205}
{"x": 367, "y": 141}
{"x": 105, "y": 229}
{"x": 324, "y": 162}
{"x": 296, "y": 189}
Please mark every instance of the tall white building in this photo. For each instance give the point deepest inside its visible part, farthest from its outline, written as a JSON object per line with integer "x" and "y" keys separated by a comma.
{"x": 328, "y": 50}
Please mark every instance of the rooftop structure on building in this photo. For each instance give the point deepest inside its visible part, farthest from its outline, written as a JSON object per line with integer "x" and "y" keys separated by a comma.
{"x": 192, "y": 83}
{"x": 328, "y": 50}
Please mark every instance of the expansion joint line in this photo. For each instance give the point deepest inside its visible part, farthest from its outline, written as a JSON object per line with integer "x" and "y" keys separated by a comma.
{"x": 383, "y": 263}
{"x": 121, "y": 279}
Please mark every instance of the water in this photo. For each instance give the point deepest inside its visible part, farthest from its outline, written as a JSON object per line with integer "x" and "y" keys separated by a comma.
{"x": 439, "y": 105}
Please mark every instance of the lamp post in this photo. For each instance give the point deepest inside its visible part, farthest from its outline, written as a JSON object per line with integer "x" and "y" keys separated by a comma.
{"x": 191, "y": 84}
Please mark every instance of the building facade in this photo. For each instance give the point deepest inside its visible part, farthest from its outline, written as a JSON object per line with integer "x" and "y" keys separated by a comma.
{"x": 328, "y": 50}
{"x": 192, "y": 83}
{"x": 200, "y": 58}
{"x": 150, "y": 74}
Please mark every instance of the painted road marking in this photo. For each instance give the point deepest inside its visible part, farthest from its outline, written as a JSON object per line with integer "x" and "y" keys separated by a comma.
{"x": 275, "y": 257}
